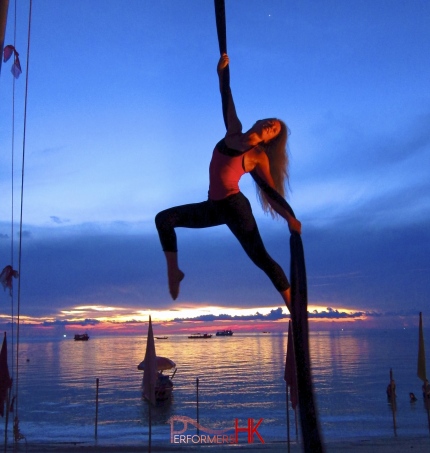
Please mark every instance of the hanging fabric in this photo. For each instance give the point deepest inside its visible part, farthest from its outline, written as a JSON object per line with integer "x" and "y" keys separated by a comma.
{"x": 299, "y": 302}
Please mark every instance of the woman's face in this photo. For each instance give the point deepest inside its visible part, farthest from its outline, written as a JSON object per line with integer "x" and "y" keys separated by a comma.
{"x": 267, "y": 129}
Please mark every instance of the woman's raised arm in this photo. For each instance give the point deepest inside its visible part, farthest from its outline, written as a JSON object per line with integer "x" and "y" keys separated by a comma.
{"x": 232, "y": 122}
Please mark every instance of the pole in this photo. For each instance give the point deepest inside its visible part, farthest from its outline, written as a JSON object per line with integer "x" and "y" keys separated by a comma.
{"x": 421, "y": 368}
{"x": 393, "y": 400}
{"x": 288, "y": 418}
{"x": 97, "y": 408}
{"x": 197, "y": 405}
{"x": 296, "y": 424}
{"x": 427, "y": 401}
{"x": 4, "y": 6}
{"x": 6, "y": 420}
{"x": 150, "y": 427}
{"x": 6, "y": 423}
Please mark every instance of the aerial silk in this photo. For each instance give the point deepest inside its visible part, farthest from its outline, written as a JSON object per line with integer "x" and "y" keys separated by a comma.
{"x": 312, "y": 442}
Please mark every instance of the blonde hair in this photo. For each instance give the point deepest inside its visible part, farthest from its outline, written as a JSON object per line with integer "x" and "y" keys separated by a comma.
{"x": 277, "y": 153}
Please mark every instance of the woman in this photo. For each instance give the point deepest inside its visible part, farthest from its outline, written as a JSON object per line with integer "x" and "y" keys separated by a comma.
{"x": 260, "y": 151}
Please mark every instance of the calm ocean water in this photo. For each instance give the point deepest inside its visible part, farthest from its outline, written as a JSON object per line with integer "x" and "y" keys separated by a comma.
{"x": 239, "y": 377}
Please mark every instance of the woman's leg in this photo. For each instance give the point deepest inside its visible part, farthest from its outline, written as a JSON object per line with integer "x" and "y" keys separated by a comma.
{"x": 195, "y": 215}
{"x": 174, "y": 274}
{"x": 242, "y": 223}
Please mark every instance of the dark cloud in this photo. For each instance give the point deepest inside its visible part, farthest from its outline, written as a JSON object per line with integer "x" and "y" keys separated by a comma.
{"x": 85, "y": 322}
{"x": 278, "y": 314}
{"x": 331, "y": 313}
{"x": 349, "y": 265}
{"x": 274, "y": 315}
{"x": 58, "y": 220}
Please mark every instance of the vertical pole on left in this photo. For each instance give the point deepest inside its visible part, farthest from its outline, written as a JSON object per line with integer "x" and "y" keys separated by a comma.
{"x": 97, "y": 407}
{"x": 197, "y": 391}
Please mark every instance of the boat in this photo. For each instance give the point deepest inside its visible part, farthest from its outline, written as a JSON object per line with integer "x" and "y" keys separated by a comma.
{"x": 161, "y": 338}
{"x": 200, "y": 336}
{"x": 224, "y": 333}
{"x": 82, "y": 337}
{"x": 163, "y": 382}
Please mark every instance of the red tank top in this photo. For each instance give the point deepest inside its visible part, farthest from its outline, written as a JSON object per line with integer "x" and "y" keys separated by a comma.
{"x": 224, "y": 174}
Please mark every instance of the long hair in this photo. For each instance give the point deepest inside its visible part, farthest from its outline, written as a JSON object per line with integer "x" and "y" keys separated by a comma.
{"x": 277, "y": 153}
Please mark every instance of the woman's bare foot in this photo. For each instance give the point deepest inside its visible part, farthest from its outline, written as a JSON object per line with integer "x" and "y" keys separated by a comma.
{"x": 174, "y": 274}
{"x": 175, "y": 277}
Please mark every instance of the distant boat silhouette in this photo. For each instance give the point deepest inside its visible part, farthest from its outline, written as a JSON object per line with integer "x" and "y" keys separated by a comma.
{"x": 82, "y": 337}
{"x": 224, "y": 333}
{"x": 200, "y": 336}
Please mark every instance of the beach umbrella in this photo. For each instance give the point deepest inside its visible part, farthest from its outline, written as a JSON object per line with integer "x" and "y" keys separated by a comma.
{"x": 162, "y": 364}
{"x": 150, "y": 374}
{"x": 150, "y": 378}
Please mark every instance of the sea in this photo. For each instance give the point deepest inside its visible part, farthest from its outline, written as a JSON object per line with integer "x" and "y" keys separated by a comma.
{"x": 91, "y": 392}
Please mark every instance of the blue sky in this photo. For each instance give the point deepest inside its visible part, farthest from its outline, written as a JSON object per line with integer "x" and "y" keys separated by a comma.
{"x": 124, "y": 111}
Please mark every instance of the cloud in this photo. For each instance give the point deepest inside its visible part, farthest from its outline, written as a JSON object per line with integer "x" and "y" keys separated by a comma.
{"x": 274, "y": 315}
{"x": 84, "y": 322}
{"x": 350, "y": 264}
{"x": 58, "y": 220}
{"x": 331, "y": 313}
{"x": 278, "y": 314}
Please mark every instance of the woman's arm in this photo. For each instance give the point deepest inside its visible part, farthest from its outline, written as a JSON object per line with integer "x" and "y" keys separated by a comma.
{"x": 262, "y": 176}
{"x": 232, "y": 122}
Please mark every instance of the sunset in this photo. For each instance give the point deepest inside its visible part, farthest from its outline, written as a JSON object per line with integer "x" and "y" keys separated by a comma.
{"x": 99, "y": 320}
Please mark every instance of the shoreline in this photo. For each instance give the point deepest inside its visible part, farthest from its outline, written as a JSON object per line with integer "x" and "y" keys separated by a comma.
{"x": 420, "y": 444}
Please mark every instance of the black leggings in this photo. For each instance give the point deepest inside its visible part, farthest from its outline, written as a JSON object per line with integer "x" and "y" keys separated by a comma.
{"x": 233, "y": 211}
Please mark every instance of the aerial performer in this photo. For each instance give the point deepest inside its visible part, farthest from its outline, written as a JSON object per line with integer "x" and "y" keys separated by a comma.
{"x": 260, "y": 151}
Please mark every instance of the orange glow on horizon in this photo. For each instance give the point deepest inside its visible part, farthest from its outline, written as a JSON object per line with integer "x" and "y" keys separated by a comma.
{"x": 190, "y": 318}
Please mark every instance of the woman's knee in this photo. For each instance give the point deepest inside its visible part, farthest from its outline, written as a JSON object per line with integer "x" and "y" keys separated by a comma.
{"x": 162, "y": 219}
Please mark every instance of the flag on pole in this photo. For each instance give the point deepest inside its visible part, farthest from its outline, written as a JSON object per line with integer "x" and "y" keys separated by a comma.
{"x": 421, "y": 369}
{"x": 150, "y": 373}
{"x": 290, "y": 376}
{"x": 6, "y": 276}
{"x": 16, "y": 67}
{"x": 5, "y": 380}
